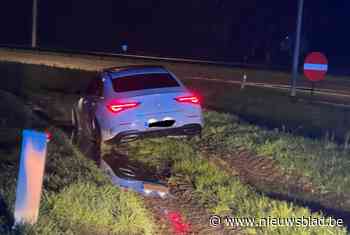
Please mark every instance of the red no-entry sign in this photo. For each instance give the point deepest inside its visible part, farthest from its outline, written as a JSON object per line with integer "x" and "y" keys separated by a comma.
{"x": 315, "y": 66}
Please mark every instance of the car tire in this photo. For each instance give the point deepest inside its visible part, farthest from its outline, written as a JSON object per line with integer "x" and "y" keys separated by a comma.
{"x": 96, "y": 131}
{"x": 74, "y": 119}
{"x": 98, "y": 141}
{"x": 76, "y": 126}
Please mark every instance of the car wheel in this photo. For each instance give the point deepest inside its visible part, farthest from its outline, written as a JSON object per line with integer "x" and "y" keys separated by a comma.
{"x": 96, "y": 131}
{"x": 74, "y": 119}
{"x": 96, "y": 135}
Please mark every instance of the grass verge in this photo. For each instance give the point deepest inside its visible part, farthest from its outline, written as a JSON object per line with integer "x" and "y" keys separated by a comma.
{"x": 264, "y": 106}
{"x": 77, "y": 197}
{"x": 324, "y": 163}
{"x": 221, "y": 193}
{"x": 93, "y": 63}
{"x": 257, "y": 104}
{"x": 303, "y": 114}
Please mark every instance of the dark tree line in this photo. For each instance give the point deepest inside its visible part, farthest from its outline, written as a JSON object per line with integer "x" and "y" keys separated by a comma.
{"x": 252, "y": 31}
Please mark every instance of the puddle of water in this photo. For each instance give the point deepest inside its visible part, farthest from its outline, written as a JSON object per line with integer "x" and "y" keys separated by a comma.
{"x": 123, "y": 172}
{"x": 143, "y": 187}
{"x": 125, "y": 168}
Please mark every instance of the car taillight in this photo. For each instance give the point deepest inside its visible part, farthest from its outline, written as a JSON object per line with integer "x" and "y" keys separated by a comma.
{"x": 118, "y": 107}
{"x": 188, "y": 99}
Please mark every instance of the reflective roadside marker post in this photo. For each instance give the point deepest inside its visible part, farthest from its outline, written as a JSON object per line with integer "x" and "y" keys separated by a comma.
{"x": 30, "y": 177}
{"x": 244, "y": 81}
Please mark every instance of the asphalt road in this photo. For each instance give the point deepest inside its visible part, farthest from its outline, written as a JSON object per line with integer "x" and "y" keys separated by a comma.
{"x": 331, "y": 85}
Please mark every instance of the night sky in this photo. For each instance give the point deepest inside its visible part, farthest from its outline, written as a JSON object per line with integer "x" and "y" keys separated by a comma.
{"x": 211, "y": 29}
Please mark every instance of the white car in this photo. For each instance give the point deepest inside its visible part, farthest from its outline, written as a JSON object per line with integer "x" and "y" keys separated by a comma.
{"x": 125, "y": 103}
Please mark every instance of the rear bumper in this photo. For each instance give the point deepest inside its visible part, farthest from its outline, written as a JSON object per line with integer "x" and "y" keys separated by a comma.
{"x": 186, "y": 130}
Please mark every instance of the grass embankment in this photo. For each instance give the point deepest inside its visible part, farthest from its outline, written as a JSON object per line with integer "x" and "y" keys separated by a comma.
{"x": 221, "y": 193}
{"x": 57, "y": 61}
{"x": 77, "y": 197}
{"x": 324, "y": 163}
{"x": 274, "y": 108}
{"x": 93, "y": 63}
{"x": 260, "y": 105}
{"x": 257, "y": 104}
{"x": 325, "y": 167}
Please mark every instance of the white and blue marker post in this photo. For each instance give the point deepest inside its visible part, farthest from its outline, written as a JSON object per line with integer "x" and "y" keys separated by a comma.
{"x": 30, "y": 177}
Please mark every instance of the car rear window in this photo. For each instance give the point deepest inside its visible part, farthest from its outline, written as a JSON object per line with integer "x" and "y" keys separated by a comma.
{"x": 144, "y": 81}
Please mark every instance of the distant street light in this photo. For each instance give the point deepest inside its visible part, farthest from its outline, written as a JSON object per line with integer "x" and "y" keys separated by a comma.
{"x": 297, "y": 48}
{"x": 34, "y": 23}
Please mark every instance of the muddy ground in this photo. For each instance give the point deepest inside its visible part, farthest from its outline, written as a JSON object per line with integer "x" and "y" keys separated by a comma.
{"x": 181, "y": 200}
{"x": 261, "y": 173}
{"x": 184, "y": 201}
{"x": 268, "y": 178}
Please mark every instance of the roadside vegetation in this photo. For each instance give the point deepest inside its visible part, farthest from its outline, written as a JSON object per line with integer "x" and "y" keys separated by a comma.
{"x": 322, "y": 162}
{"x": 94, "y": 63}
{"x": 305, "y": 115}
{"x": 221, "y": 193}
{"x": 77, "y": 197}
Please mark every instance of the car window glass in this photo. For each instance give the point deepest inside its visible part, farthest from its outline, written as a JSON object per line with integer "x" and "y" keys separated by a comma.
{"x": 144, "y": 81}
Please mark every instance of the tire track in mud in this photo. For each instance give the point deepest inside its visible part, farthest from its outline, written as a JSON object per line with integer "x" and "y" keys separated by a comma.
{"x": 180, "y": 204}
{"x": 183, "y": 199}
{"x": 255, "y": 170}
{"x": 268, "y": 178}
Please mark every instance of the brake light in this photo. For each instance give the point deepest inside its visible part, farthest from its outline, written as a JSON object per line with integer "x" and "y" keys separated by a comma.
{"x": 118, "y": 107}
{"x": 188, "y": 99}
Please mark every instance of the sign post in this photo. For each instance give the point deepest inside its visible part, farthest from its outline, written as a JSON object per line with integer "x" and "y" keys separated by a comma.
{"x": 315, "y": 68}
{"x": 297, "y": 48}
{"x": 34, "y": 23}
{"x": 30, "y": 177}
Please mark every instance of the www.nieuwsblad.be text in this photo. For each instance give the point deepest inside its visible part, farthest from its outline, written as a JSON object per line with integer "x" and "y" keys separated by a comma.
{"x": 216, "y": 221}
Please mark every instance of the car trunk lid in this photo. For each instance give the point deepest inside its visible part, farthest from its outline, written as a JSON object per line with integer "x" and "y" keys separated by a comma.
{"x": 153, "y": 101}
